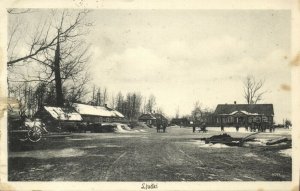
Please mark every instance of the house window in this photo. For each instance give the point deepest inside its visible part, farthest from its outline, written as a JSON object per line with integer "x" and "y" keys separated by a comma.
{"x": 257, "y": 119}
{"x": 250, "y": 119}
{"x": 265, "y": 119}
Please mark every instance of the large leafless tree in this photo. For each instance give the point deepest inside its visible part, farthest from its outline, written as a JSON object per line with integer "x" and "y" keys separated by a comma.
{"x": 55, "y": 51}
{"x": 253, "y": 90}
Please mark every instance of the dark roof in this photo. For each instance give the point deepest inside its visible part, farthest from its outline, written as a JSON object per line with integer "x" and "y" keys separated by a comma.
{"x": 159, "y": 116}
{"x": 183, "y": 119}
{"x": 146, "y": 116}
{"x": 265, "y": 109}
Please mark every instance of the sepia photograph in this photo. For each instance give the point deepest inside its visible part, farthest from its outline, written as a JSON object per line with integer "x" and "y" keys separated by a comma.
{"x": 149, "y": 95}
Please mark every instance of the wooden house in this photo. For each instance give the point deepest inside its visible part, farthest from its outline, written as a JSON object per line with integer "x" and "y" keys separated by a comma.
{"x": 180, "y": 121}
{"x": 153, "y": 119}
{"x": 242, "y": 114}
{"x": 62, "y": 117}
{"x": 147, "y": 118}
{"x": 98, "y": 114}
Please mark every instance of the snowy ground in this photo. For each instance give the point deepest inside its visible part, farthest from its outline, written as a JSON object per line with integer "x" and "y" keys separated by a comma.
{"x": 177, "y": 155}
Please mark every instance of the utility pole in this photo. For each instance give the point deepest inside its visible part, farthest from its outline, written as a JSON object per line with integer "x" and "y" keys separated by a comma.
{"x": 58, "y": 84}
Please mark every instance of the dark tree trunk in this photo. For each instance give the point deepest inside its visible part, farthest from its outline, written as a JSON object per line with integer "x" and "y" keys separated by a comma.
{"x": 58, "y": 84}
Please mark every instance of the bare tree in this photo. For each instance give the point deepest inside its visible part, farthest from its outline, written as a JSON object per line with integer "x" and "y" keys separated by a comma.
{"x": 177, "y": 113}
{"x": 200, "y": 113}
{"x": 55, "y": 52}
{"x": 112, "y": 101}
{"x": 77, "y": 91}
{"x": 119, "y": 101}
{"x": 46, "y": 36}
{"x": 151, "y": 104}
{"x": 105, "y": 96}
{"x": 197, "y": 112}
{"x": 160, "y": 111}
{"x": 19, "y": 11}
{"x": 253, "y": 92}
{"x": 98, "y": 98}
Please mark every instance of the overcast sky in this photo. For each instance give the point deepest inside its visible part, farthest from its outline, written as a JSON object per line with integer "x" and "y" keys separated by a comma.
{"x": 184, "y": 56}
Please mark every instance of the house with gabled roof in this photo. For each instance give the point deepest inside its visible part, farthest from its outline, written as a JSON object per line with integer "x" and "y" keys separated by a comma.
{"x": 243, "y": 114}
{"x": 153, "y": 119}
{"x": 62, "y": 117}
{"x": 98, "y": 114}
{"x": 184, "y": 121}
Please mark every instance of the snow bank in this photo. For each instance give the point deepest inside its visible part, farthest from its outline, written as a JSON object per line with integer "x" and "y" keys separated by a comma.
{"x": 124, "y": 128}
{"x": 286, "y": 152}
{"x": 228, "y": 129}
{"x": 210, "y": 145}
{"x": 119, "y": 129}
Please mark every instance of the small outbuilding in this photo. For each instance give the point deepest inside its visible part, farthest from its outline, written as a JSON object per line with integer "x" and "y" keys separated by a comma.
{"x": 153, "y": 119}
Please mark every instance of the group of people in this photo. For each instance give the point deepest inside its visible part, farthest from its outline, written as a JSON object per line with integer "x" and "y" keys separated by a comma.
{"x": 260, "y": 127}
{"x": 254, "y": 127}
{"x": 161, "y": 126}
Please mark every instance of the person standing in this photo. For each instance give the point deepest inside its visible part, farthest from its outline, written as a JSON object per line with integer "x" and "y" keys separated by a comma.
{"x": 237, "y": 128}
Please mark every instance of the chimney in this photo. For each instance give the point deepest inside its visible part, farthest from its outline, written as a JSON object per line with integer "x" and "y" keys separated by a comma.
{"x": 234, "y": 102}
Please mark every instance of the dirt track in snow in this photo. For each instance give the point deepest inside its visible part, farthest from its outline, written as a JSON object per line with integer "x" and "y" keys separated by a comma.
{"x": 177, "y": 155}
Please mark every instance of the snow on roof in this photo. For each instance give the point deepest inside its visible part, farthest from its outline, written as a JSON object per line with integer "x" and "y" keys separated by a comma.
{"x": 146, "y": 116}
{"x": 261, "y": 109}
{"x": 63, "y": 114}
{"x": 84, "y": 109}
{"x": 244, "y": 112}
{"x": 118, "y": 114}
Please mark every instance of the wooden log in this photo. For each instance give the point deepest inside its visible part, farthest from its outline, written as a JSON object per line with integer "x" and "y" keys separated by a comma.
{"x": 277, "y": 141}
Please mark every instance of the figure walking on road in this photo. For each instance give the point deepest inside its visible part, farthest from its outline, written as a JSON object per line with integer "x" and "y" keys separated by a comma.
{"x": 222, "y": 126}
{"x": 237, "y": 128}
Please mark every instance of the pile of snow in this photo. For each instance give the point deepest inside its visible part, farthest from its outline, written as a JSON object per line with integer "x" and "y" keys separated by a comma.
{"x": 120, "y": 129}
{"x": 210, "y": 145}
{"x": 123, "y": 128}
{"x": 228, "y": 129}
{"x": 251, "y": 155}
{"x": 286, "y": 152}
{"x": 219, "y": 145}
